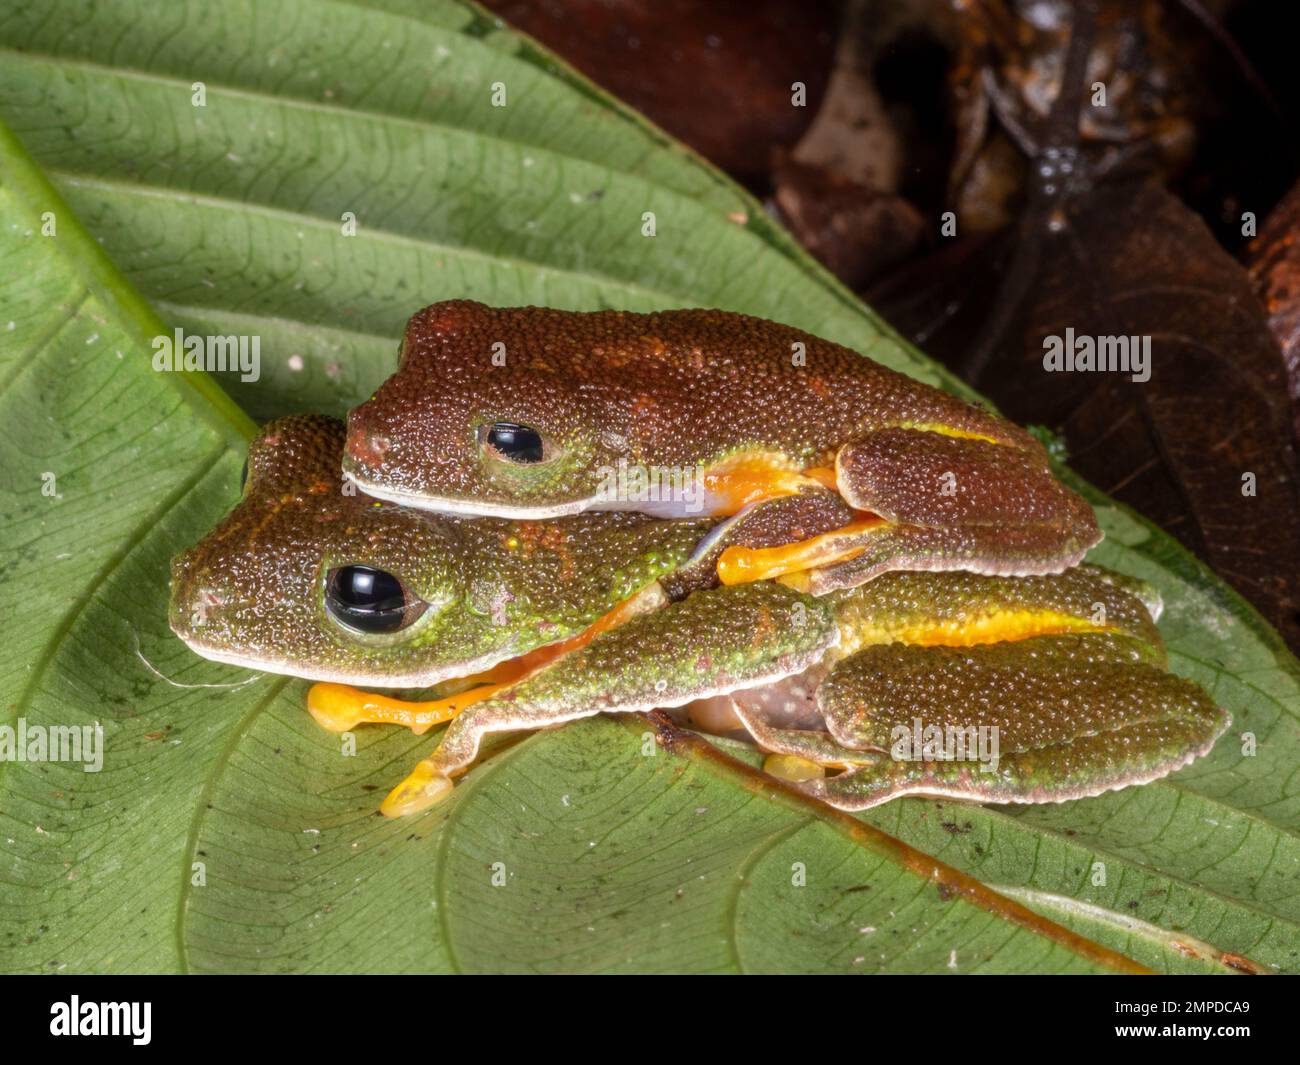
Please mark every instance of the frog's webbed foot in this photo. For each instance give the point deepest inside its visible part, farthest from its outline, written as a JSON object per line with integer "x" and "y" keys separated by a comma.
{"x": 711, "y": 643}
{"x": 993, "y": 689}
{"x": 1045, "y": 719}
{"x": 932, "y": 501}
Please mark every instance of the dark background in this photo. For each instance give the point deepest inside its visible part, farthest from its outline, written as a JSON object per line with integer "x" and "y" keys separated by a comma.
{"x": 1122, "y": 219}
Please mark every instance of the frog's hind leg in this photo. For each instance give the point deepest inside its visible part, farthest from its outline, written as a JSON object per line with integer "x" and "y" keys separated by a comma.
{"x": 995, "y": 689}
{"x": 1044, "y": 719}
{"x": 711, "y": 643}
{"x": 931, "y": 500}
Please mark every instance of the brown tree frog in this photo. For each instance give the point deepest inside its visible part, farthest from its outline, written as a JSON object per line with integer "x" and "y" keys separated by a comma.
{"x": 536, "y": 413}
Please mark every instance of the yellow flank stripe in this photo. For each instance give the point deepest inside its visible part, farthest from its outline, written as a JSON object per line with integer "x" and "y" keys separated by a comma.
{"x": 1000, "y": 626}
{"x": 948, "y": 430}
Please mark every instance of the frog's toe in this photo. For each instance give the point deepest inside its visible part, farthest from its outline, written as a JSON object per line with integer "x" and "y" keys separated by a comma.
{"x": 743, "y": 563}
{"x": 336, "y": 707}
{"x": 424, "y": 787}
{"x": 788, "y": 529}
{"x": 792, "y": 767}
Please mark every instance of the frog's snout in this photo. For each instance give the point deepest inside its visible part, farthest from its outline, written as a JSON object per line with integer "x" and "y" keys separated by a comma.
{"x": 178, "y": 609}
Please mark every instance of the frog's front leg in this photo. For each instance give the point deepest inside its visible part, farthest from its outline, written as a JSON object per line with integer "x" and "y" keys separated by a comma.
{"x": 931, "y": 500}
{"x": 1038, "y": 720}
{"x": 713, "y": 642}
{"x": 341, "y": 707}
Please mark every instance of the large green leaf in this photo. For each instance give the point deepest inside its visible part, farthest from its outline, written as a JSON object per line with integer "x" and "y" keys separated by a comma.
{"x": 228, "y": 218}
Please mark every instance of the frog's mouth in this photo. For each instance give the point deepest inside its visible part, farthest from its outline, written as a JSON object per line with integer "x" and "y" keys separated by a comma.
{"x": 485, "y": 675}
{"x": 467, "y": 507}
{"x": 293, "y": 667}
{"x": 721, "y": 490}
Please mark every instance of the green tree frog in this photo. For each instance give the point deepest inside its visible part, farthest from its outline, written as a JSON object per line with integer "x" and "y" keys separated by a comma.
{"x": 986, "y": 688}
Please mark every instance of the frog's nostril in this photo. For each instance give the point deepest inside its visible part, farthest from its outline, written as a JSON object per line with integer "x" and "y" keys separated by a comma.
{"x": 366, "y": 448}
{"x": 193, "y": 607}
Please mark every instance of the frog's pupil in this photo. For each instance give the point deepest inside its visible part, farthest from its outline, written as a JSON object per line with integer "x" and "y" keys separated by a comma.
{"x": 367, "y": 599}
{"x": 518, "y": 443}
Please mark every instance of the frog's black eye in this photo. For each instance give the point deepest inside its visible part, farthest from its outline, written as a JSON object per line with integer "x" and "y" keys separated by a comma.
{"x": 370, "y": 600}
{"x": 517, "y": 443}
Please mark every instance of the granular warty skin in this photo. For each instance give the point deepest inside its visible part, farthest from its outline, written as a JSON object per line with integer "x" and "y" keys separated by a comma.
{"x": 554, "y": 620}
{"x": 534, "y": 412}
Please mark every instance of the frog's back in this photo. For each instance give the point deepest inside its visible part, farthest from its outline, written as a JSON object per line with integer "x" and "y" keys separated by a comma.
{"x": 699, "y": 379}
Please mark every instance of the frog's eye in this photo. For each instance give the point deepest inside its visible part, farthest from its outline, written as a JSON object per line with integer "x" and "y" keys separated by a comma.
{"x": 517, "y": 443}
{"x": 369, "y": 600}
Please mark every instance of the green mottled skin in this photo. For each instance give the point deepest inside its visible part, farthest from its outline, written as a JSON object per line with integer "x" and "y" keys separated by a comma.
{"x": 692, "y": 389}
{"x": 252, "y": 591}
{"x": 1082, "y": 703}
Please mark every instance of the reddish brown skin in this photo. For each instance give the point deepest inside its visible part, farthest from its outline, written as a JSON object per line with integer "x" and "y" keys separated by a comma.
{"x": 676, "y": 388}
